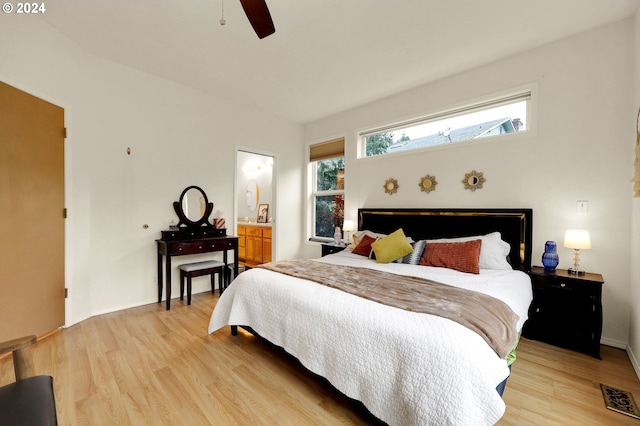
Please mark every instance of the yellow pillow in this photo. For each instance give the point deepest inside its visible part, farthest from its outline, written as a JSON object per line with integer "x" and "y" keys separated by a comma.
{"x": 392, "y": 247}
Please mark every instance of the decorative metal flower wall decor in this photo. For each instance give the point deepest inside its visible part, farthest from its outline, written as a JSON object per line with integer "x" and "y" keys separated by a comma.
{"x": 391, "y": 186}
{"x": 473, "y": 180}
{"x": 428, "y": 184}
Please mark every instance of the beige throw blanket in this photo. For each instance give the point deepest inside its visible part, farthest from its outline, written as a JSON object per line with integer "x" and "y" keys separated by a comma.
{"x": 491, "y": 318}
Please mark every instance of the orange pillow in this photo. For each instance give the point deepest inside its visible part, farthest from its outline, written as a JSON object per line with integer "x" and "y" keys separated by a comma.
{"x": 463, "y": 257}
{"x": 364, "y": 248}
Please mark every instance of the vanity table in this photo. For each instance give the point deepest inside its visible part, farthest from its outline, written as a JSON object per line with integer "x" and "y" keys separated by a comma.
{"x": 194, "y": 234}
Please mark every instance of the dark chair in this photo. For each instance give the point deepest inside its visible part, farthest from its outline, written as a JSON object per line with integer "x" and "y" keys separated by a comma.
{"x": 198, "y": 269}
{"x": 30, "y": 399}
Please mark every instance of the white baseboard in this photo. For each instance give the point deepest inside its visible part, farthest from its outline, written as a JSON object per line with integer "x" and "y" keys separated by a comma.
{"x": 634, "y": 361}
{"x": 615, "y": 343}
{"x": 623, "y": 345}
{"x": 138, "y": 304}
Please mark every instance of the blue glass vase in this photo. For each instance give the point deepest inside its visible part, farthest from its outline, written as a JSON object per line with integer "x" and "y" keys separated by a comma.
{"x": 550, "y": 257}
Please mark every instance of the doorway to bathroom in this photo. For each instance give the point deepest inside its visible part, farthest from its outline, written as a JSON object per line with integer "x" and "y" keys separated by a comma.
{"x": 255, "y": 207}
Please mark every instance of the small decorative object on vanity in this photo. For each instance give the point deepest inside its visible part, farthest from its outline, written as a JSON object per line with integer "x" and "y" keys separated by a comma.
{"x": 218, "y": 220}
{"x": 577, "y": 239}
{"x": 550, "y": 257}
{"x": 263, "y": 213}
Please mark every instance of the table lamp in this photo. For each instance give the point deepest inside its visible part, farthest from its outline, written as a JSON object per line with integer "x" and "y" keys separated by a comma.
{"x": 577, "y": 239}
{"x": 348, "y": 226}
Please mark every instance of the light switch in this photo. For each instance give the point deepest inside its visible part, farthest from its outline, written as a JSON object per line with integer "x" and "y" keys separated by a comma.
{"x": 582, "y": 207}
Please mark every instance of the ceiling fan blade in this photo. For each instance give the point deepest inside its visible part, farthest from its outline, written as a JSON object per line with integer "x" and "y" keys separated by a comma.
{"x": 258, "y": 14}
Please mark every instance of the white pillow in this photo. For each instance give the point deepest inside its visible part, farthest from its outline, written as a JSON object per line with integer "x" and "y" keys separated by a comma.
{"x": 357, "y": 236}
{"x": 493, "y": 252}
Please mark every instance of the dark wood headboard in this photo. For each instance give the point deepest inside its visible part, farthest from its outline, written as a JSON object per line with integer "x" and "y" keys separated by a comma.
{"x": 515, "y": 226}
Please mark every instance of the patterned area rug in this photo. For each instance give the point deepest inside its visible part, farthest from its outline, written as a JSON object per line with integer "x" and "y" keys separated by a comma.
{"x": 620, "y": 401}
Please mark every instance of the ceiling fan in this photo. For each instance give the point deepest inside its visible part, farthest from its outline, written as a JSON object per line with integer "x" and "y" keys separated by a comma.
{"x": 258, "y": 14}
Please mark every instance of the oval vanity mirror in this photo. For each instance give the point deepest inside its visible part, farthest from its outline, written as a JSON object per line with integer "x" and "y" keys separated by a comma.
{"x": 193, "y": 208}
{"x": 193, "y": 204}
{"x": 253, "y": 195}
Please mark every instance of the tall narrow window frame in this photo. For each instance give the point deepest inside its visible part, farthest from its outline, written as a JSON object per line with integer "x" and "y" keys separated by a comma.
{"x": 474, "y": 121}
{"x": 327, "y": 191}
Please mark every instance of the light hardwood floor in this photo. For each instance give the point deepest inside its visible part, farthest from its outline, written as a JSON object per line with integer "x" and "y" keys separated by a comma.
{"x": 149, "y": 366}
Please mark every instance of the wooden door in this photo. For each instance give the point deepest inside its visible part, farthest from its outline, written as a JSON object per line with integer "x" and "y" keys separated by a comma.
{"x": 32, "y": 287}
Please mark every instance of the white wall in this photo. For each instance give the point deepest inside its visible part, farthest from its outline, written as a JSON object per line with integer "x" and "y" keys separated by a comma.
{"x": 634, "y": 299}
{"x": 178, "y": 137}
{"x": 580, "y": 150}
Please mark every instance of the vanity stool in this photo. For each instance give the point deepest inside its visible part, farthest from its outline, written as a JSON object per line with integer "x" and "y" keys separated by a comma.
{"x": 198, "y": 269}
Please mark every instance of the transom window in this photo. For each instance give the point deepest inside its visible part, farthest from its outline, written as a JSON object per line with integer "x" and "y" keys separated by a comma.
{"x": 491, "y": 118}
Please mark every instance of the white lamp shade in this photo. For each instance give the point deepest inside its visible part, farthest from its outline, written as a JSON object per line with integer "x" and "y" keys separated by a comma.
{"x": 348, "y": 225}
{"x": 577, "y": 239}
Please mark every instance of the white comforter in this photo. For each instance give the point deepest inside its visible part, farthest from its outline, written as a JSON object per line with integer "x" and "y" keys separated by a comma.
{"x": 407, "y": 368}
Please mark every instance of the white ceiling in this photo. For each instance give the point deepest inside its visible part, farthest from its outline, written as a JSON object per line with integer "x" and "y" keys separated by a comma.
{"x": 326, "y": 56}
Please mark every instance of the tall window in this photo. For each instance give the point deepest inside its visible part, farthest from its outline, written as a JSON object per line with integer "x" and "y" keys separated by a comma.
{"x": 328, "y": 170}
{"x": 491, "y": 118}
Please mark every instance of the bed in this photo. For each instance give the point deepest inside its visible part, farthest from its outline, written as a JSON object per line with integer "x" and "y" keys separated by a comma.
{"x": 406, "y": 366}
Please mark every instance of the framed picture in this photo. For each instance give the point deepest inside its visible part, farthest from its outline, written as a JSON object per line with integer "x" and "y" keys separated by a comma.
{"x": 263, "y": 213}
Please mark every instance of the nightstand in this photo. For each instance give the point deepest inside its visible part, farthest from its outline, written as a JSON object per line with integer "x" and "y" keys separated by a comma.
{"x": 330, "y": 248}
{"x": 566, "y": 310}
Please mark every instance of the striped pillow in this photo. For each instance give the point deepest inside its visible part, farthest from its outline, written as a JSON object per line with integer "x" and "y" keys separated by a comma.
{"x": 413, "y": 258}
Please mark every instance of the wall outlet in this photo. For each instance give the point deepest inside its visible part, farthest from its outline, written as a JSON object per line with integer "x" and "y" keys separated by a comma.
{"x": 582, "y": 207}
